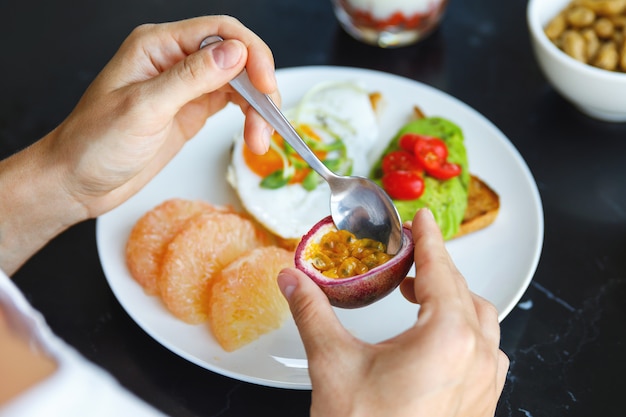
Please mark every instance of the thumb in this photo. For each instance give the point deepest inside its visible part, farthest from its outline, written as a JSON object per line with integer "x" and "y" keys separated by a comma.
{"x": 202, "y": 72}
{"x": 317, "y": 323}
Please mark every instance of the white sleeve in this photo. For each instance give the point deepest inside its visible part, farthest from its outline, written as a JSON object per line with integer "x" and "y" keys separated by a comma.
{"x": 78, "y": 387}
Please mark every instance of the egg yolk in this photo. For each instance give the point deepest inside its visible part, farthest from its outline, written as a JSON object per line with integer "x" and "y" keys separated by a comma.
{"x": 273, "y": 160}
{"x": 340, "y": 254}
{"x": 264, "y": 165}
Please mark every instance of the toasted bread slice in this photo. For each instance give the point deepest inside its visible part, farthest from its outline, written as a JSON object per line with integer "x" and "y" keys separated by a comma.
{"x": 483, "y": 205}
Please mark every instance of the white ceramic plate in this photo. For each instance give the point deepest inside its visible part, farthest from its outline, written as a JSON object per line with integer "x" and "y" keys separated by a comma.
{"x": 498, "y": 262}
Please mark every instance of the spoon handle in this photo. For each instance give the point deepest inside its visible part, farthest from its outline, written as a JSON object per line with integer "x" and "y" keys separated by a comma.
{"x": 266, "y": 107}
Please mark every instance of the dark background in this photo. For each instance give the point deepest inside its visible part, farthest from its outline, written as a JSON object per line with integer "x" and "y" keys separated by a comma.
{"x": 566, "y": 339}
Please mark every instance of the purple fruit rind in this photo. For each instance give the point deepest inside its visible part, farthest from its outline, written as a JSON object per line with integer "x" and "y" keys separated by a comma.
{"x": 360, "y": 290}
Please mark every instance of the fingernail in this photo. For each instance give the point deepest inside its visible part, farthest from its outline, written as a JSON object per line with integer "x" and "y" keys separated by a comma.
{"x": 267, "y": 137}
{"x": 287, "y": 283}
{"x": 226, "y": 54}
{"x": 428, "y": 213}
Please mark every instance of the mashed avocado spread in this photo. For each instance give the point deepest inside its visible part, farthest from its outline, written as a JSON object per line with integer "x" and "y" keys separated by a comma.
{"x": 447, "y": 199}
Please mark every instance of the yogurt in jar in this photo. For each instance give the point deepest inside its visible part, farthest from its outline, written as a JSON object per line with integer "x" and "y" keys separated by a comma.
{"x": 389, "y": 23}
{"x": 382, "y": 9}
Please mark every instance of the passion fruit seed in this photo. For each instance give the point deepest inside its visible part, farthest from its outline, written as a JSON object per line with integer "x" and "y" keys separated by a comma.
{"x": 340, "y": 254}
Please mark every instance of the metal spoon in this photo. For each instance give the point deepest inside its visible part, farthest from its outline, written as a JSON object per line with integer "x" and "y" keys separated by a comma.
{"x": 357, "y": 204}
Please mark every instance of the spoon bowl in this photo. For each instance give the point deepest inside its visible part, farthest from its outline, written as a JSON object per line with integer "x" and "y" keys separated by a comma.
{"x": 357, "y": 204}
{"x": 360, "y": 206}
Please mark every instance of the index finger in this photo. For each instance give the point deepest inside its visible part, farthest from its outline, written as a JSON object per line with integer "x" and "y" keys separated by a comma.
{"x": 173, "y": 41}
{"x": 260, "y": 65}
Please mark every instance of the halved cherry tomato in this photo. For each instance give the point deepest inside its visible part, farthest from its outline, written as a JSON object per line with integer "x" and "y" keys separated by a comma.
{"x": 408, "y": 140}
{"x": 403, "y": 185}
{"x": 432, "y": 154}
{"x": 430, "y": 149}
{"x": 445, "y": 171}
{"x": 400, "y": 161}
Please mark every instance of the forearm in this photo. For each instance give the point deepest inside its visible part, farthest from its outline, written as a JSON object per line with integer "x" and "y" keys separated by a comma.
{"x": 34, "y": 206}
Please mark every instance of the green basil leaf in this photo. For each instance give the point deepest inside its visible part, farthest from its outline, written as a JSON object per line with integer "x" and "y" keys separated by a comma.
{"x": 275, "y": 180}
{"x": 332, "y": 164}
{"x": 311, "y": 181}
{"x": 341, "y": 166}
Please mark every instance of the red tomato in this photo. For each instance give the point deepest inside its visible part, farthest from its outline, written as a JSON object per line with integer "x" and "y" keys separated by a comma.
{"x": 408, "y": 140}
{"x": 400, "y": 161}
{"x": 403, "y": 185}
{"x": 445, "y": 171}
{"x": 430, "y": 148}
{"x": 432, "y": 154}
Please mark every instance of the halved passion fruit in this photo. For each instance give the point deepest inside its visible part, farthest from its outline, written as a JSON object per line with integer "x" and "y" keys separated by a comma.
{"x": 352, "y": 272}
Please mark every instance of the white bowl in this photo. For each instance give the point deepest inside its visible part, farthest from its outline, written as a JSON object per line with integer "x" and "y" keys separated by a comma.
{"x": 596, "y": 92}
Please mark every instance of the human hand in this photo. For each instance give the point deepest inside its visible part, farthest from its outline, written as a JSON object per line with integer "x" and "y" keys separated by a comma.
{"x": 155, "y": 94}
{"x": 447, "y": 364}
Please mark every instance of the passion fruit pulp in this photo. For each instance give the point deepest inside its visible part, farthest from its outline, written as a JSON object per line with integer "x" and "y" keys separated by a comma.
{"x": 358, "y": 290}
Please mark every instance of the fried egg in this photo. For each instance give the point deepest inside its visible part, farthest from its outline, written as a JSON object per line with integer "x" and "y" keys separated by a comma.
{"x": 339, "y": 122}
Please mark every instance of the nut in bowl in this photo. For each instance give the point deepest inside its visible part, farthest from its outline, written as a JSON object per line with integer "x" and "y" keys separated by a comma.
{"x": 580, "y": 76}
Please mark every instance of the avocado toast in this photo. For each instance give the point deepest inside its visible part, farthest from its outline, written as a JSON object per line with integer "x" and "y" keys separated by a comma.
{"x": 461, "y": 202}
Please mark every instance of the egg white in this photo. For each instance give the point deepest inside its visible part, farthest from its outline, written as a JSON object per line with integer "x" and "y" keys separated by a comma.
{"x": 343, "y": 108}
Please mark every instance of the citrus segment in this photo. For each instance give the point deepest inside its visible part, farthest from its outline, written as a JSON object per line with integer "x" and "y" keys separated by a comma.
{"x": 153, "y": 231}
{"x": 245, "y": 301}
{"x": 206, "y": 244}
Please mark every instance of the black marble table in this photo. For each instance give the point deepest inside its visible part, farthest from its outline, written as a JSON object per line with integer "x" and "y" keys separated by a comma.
{"x": 566, "y": 338}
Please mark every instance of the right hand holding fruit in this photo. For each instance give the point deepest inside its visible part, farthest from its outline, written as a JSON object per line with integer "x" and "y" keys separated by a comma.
{"x": 448, "y": 364}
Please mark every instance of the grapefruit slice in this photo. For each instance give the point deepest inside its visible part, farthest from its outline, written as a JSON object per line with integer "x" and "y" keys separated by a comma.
{"x": 245, "y": 300}
{"x": 207, "y": 243}
{"x": 149, "y": 237}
